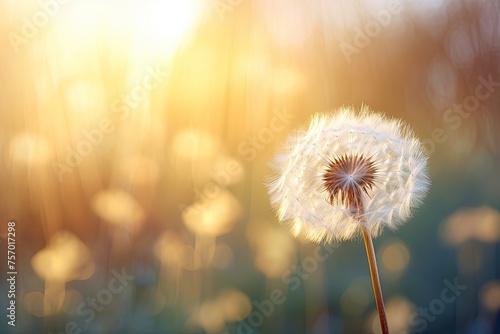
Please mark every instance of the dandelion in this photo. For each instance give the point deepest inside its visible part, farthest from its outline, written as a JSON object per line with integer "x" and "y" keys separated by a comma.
{"x": 349, "y": 175}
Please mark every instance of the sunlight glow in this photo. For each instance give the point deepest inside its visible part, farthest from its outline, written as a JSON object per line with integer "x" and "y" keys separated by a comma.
{"x": 160, "y": 25}
{"x": 154, "y": 27}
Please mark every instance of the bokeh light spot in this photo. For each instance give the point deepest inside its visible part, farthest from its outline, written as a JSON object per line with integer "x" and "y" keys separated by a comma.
{"x": 395, "y": 256}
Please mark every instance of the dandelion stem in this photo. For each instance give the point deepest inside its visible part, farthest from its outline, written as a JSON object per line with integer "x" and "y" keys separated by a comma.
{"x": 377, "y": 290}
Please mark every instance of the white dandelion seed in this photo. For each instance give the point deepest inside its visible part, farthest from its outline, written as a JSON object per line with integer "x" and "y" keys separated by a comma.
{"x": 347, "y": 175}
{"x": 345, "y": 171}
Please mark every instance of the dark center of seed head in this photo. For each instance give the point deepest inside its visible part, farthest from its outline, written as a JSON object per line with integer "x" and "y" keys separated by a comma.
{"x": 346, "y": 178}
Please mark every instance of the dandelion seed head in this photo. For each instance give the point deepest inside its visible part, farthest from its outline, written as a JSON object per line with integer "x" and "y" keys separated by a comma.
{"x": 348, "y": 169}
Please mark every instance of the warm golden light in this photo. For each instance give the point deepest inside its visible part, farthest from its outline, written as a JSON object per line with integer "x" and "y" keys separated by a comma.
{"x": 286, "y": 81}
{"x": 140, "y": 170}
{"x": 85, "y": 102}
{"x": 118, "y": 208}
{"x": 64, "y": 259}
{"x": 481, "y": 224}
{"x": 137, "y": 137}
{"x": 160, "y": 25}
{"x": 190, "y": 144}
{"x": 29, "y": 150}
{"x": 234, "y": 304}
{"x": 215, "y": 216}
{"x": 168, "y": 248}
{"x": 230, "y": 305}
{"x": 154, "y": 27}
{"x": 395, "y": 256}
{"x": 274, "y": 250}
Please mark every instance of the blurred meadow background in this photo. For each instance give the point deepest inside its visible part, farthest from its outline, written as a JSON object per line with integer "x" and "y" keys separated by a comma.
{"x": 135, "y": 141}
